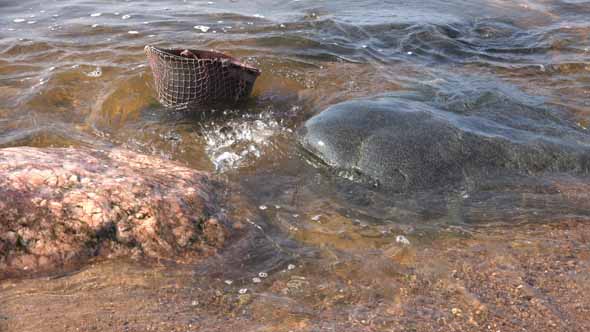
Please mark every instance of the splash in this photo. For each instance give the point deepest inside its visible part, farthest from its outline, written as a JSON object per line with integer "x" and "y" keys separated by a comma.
{"x": 238, "y": 142}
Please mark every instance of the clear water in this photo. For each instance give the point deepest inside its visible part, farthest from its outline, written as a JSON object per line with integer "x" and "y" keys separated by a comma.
{"x": 73, "y": 73}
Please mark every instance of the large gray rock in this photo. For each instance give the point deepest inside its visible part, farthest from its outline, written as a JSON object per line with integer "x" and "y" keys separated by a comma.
{"x": 405, "y": 144}
{"x": 60, "y": 207}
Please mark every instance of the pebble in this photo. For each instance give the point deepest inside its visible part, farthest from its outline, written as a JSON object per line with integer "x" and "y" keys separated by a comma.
{"x": 290, "y": 267}
{"x": 243, "y": 290}
{"x": 263, "y": 207}
{"x": 229, "y": 282}
{"x": 256, "y": 280}
{"x": 316, "y": 218}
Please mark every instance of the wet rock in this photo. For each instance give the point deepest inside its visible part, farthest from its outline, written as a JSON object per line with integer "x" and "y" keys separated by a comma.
{"x": 62, "y": 206}
{"x": 406, "y": 145}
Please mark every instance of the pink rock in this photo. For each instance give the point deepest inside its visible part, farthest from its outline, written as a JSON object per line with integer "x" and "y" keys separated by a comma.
{"x": 113, "y": 202}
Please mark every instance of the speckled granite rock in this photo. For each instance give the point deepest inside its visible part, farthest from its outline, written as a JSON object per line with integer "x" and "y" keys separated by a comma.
{"x": 60, "y": 207}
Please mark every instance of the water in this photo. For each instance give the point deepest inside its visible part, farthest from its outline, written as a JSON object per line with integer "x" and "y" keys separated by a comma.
{"x": 73, "y": 73}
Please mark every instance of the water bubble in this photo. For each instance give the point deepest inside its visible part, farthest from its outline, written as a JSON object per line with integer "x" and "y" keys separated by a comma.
{"x": 95, "y": 14}
{"x": 225, "y": 160}
{"x": 95, "y": 73}
{"x": 263, "y": 274}
{"x": 402, "y": 239}
{"x": 203, "y": 28}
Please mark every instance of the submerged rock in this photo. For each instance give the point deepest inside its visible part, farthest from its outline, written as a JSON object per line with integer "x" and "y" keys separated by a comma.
{"x": 406, "y": 145}
{"x": 61, "y": 206}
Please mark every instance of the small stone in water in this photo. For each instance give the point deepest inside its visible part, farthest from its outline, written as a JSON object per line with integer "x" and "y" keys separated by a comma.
{"x": 263, "y": 274}
{"x": 290, "y": 267}
{"x": 256, "y": 280}
{"x": 243, "y": 290}
{"x": 402, "y": 239}
{"x": 316, "y": 218}
{"x": 229, "y": 282}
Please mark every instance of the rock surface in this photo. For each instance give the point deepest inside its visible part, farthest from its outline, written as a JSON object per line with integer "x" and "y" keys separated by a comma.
{"x": 62, "y": 206}
{"x": 407, "y": 145}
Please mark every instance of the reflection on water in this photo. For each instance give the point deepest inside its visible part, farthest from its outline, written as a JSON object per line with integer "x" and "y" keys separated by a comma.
{"x": 73, "y": 73}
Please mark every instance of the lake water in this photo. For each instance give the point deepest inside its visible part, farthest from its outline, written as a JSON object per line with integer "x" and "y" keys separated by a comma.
{"x": 73, "y": 73}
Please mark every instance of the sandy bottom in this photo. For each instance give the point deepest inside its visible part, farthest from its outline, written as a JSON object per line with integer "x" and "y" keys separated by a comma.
{"x": 528, "y": 278}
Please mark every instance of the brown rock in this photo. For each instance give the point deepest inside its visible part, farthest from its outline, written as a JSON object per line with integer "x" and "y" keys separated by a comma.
{"x": 115, "y": 202}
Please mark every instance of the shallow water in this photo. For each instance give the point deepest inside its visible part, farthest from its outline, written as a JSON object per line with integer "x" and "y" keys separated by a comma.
{"x": 73, "y": 73}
